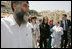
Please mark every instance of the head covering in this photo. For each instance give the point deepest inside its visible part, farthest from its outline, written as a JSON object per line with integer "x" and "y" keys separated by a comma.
{"x": 46, "y": 18}
{"x": 33, "y": 17}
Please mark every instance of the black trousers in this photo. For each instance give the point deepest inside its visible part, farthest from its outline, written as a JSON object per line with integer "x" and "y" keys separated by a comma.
{"x": 64, "y": 39}
{"x": 43, "y": 41}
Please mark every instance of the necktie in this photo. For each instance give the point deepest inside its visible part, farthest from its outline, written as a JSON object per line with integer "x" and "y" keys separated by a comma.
{"x": 65, "y": 22}
{"x": 65, "y": 25}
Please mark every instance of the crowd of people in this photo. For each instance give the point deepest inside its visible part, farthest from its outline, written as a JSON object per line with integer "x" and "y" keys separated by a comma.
{"x": 52, "y": 35}
{"x": 17, "y": 32}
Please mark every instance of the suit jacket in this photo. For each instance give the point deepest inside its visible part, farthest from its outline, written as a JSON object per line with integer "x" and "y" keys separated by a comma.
{"x": 62, "y": 25}
{"x": 68, "y": 23}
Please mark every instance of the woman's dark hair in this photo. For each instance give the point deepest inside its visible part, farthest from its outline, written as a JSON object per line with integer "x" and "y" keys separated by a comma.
{"x": 43, "y": 20}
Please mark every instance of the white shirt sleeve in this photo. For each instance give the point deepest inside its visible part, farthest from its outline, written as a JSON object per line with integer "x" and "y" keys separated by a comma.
{"x": 60, "y": 31}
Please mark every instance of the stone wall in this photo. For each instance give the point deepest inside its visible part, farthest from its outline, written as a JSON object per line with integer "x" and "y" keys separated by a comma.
{"x": 5, "y": 8}
{"x": 56, "y": 14}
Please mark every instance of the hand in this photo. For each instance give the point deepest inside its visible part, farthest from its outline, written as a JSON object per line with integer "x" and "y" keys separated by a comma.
{"x": 70, "y": 43}
{"x": 32, "y": 30}
{"x": 47, "y": 39}
{"x": 38, "y": 40}
{"x": 53, "y": 29}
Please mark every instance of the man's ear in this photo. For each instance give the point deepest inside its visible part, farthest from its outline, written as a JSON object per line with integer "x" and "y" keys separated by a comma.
{"x": 14, "y": 7}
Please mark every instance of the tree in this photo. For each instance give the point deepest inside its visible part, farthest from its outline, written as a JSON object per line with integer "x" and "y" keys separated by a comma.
{"x": 33, "y": 12}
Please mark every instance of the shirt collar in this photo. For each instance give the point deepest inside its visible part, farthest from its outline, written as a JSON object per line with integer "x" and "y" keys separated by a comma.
{"x": 12, "y": 20}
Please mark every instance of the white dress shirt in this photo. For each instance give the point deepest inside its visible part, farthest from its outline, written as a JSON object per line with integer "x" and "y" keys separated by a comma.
{"x": 64, "y": 27}
{"x": 64, "y": 24}
{"x": 13, "y": 36}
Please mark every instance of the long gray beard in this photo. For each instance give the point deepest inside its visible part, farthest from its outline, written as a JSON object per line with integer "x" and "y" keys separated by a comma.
{"x": 21, "y": 18}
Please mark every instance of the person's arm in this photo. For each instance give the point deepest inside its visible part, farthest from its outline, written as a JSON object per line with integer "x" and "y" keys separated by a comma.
{"x": 41, "y": 29}
{"x": 52, "y": 29}
{"x": 4, "y": 41}
{"x": 60, "y": 31}
{"x": 38, "y": 32}
{"x": 61, "y": 23}
{"x": 69, "y": 23}
{"x": 53, "y": 32}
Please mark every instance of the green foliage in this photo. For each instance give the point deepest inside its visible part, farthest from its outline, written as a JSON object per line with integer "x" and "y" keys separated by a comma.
{"x": 33, "y": 12}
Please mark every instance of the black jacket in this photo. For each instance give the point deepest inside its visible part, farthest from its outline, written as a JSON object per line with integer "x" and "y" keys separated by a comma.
{"x": 65, "y": 31}
{"x": 44, "y": 30}
{"x": 68, "y": 23}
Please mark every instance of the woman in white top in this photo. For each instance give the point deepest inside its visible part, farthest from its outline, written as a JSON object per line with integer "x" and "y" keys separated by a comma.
{"x": 35, "y": 31}
{"x": 56, "y": 35}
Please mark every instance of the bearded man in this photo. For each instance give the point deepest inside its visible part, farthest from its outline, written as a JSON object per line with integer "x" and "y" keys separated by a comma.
{"x": 15, "y": 30}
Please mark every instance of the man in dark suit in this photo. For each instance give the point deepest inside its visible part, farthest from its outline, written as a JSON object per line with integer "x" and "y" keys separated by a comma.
{"x": 65, "y": 23}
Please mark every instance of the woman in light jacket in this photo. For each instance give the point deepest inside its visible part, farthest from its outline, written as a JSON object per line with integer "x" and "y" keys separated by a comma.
{"x": 35, "y": 31}
{"x": 56, "y": 35}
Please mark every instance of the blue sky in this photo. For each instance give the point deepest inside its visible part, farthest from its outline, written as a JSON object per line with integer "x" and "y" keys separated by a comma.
{"x": 50, "y": 5}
